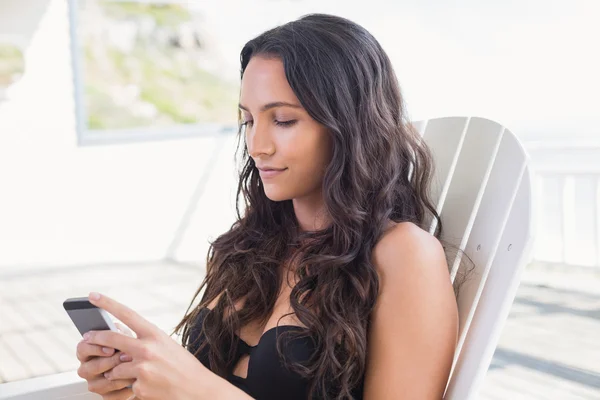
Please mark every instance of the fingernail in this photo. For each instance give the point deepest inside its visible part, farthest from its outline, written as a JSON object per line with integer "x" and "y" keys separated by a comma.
{"x": 107, "y": 375}
{"x": 86, "y": 336}
{"x": 125, "y": 357}
{"x": 94, "y": 296}
{"x": 107, "y": 350}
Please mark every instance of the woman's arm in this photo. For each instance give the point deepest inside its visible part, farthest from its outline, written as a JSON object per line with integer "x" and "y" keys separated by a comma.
{"x": 414, "y": 326}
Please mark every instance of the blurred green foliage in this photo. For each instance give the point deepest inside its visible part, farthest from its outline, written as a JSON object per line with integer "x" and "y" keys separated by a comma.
{"x": 155, "y": 84}
{"x": 12, "y": 63}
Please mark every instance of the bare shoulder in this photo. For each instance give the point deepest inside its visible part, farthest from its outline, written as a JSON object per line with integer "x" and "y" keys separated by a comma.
{"x": 405, "y": 248}
{"x": 413, "y": 327}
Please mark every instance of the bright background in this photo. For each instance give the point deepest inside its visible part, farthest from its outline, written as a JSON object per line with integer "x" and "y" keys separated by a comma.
{"x": 532, "y": 65}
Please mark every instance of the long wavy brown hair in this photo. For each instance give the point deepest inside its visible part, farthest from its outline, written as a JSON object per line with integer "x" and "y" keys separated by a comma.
{"x": 380, "y": 171}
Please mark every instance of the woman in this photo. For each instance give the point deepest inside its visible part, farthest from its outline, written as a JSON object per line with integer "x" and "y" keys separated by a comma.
{"x": 327, "y": 286}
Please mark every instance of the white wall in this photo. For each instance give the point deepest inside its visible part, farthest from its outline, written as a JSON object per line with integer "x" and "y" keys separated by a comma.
{"x": 61, "y": 204}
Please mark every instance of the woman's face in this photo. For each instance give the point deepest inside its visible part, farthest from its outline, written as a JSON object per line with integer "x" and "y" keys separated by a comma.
{"x": 290, "y": 149}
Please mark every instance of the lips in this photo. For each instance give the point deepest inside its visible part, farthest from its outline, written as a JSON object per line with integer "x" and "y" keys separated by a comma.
{"x": 270, "y": 172}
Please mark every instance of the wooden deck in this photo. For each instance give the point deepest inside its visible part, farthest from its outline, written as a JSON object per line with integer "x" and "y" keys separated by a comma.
{"x": 549, "y": 349}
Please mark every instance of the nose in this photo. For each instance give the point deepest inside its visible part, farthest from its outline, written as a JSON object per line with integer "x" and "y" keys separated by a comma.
{"x": 259, "y": 141}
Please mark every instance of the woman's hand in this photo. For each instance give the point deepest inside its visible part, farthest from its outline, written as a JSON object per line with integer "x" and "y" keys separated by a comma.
{"x": 95, "y": 361}
{"x": 159, "y": 367}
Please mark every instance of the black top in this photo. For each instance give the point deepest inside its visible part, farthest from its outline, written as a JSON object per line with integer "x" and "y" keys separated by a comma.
{"x": 267, "y": 378}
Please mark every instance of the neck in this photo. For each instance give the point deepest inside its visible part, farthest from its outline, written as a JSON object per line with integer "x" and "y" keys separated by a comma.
{"x": 310, "y": 212}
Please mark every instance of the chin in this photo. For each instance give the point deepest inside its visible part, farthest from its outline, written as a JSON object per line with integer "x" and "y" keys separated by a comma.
{"x": 276, "y": 196}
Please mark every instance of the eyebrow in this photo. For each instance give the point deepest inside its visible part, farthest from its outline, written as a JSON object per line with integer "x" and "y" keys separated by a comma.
{"x": 273, "y": 105}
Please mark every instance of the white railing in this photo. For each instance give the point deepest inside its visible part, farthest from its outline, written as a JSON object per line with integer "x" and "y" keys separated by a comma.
{"x": 567, "y": 201}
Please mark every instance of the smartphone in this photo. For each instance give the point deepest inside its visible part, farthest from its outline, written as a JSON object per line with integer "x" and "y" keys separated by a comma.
{"x": 87, "y": 317}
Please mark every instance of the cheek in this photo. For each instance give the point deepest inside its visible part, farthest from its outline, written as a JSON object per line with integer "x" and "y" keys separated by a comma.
{"x": 306, "y": 154}
{"x": 311, "y": 155}
{"x": 321, "y": 152}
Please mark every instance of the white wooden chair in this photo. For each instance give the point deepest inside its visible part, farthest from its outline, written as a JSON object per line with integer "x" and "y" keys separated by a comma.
{"x": 482, "y": 188}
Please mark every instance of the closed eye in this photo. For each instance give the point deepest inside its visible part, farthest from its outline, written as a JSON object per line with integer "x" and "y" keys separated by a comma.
{"x": 286, "y": 123}
{"x": 279, "y": 123}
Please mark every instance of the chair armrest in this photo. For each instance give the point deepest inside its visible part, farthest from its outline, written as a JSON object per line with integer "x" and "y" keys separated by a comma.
{"x": 67, "y": 385}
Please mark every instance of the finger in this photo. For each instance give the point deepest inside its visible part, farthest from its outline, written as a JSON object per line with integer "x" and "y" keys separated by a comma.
{"x": 123, "y": 329}
{"x": 113, "y": 340}
{"x": 101, "y": 385}
{"x": 133, "y": 320}
{"x": 98, "y": 366}
{"x": 126, "y": 370}
{"x": 86, "y": 351}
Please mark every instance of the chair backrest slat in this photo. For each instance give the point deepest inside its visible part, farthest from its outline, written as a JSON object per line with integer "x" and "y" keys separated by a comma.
{"x": 444, "y": 137}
